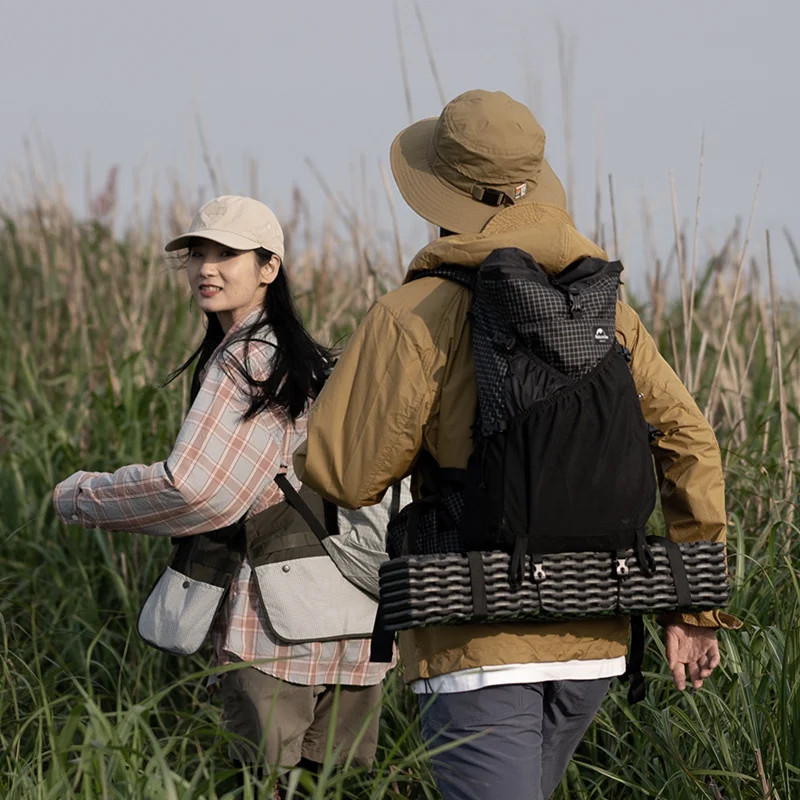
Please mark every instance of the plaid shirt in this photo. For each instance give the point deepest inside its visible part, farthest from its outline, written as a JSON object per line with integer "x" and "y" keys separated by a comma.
{"x": 221, "y": 468}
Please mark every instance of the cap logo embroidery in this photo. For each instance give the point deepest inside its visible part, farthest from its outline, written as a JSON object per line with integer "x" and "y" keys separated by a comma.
{"x": 520, "y": 191}
{"x": 212, "y": 213}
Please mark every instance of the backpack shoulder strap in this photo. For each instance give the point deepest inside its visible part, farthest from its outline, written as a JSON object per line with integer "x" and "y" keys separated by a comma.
{"x": 465, "y": 276}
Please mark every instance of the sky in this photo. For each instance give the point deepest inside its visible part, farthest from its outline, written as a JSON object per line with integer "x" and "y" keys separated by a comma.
{"x": 122, "y": 83}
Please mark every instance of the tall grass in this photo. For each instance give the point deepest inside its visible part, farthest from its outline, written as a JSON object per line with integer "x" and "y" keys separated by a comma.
{"x": 92, "y": 323}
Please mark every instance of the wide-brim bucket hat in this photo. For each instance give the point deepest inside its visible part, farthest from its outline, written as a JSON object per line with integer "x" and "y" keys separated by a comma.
{"x": 484, "y": 152}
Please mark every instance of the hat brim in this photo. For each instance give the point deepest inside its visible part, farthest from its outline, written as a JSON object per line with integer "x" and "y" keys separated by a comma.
{"x": 440, "y": 204}
{"x": 226, "y": 238}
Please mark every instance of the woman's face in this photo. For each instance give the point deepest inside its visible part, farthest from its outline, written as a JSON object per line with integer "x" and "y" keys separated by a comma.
{"x": 230, "y": 283}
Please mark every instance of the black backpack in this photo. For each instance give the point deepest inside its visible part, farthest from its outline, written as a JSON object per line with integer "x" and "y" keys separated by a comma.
{"x": 561, "y": 460}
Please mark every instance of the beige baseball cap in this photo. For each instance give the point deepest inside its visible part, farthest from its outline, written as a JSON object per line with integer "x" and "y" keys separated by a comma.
{"x": 485, "y": 151}
{"x": 233, "y": 221}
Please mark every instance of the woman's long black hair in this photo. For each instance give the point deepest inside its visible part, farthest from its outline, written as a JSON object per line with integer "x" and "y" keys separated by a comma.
{"x": 299, "y": 364}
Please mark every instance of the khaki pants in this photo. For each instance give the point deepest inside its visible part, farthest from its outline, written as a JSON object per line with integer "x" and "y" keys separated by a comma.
{"x": 285, "y": 722}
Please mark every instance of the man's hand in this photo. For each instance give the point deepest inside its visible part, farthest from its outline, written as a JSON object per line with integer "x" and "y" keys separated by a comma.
{"x": 692, "y": 647}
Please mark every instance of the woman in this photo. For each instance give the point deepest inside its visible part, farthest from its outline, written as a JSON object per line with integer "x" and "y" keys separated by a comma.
{"x": 257, "y": 372}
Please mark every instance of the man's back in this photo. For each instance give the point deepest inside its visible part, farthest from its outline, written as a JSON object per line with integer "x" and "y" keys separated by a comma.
{"x": 406, "y": 384}
{"x": 407, "y": 381}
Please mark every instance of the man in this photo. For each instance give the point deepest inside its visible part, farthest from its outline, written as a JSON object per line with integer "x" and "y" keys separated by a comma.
{"x": 406, "y": 384}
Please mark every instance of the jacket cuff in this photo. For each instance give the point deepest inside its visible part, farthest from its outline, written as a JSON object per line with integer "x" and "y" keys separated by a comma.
{"x": 702, "y": 619}
{"x": 65, "y": 497}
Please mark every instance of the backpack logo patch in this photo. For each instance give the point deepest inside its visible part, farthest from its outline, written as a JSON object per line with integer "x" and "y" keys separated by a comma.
{"x": 600, "y": 335}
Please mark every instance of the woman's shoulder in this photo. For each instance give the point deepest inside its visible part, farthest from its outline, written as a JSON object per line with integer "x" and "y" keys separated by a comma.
{"x": 254, "y": 355}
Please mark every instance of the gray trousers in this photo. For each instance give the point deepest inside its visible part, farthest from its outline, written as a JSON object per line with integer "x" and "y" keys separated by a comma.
{"x": 525, "y": 735}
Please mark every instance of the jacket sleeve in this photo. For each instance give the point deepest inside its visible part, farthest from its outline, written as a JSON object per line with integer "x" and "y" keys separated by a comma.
{"x": 366, "y": 427}
{"x": 687, "y": 456}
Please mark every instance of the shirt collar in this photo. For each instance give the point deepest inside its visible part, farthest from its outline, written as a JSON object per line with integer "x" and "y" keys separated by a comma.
{"x": 246, "y": 320}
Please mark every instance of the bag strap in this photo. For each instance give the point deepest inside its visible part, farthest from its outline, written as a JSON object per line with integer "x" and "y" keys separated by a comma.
{"x": 679, "y": 576}
{"x": 633, "y": 671}
{"x": 382, "y": 642}
{"x": 381, "y": 645}
{"x": 477, "y": 581}
{"x": 331, "y": 512}
{"x": 293, "y": 498}
{"x": 394, "y": 507}
{"x": 300, "y": 506}
{"x": 213, "y": 557}
{"x": 450, "y": 272}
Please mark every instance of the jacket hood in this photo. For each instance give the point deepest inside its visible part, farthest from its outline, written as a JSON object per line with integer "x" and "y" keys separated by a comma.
{"x": 545, "y": 231}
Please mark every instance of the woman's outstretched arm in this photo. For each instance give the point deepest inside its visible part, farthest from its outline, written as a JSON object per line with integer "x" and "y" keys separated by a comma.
{"x": 220, "y": 465}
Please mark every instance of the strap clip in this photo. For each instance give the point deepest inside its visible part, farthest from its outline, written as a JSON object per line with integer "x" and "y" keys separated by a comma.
{"x": 575, "y": 307}
{"x": 490, "y": 197}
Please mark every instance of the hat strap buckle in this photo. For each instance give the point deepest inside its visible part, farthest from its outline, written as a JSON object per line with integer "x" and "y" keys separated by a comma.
{"x": 491, "y": 197}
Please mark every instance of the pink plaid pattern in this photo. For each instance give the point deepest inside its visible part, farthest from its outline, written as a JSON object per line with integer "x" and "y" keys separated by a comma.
{"x": 221, "y": 468}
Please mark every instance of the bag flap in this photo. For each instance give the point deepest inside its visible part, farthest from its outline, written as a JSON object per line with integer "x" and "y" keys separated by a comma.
{"x": 310, "y": 600}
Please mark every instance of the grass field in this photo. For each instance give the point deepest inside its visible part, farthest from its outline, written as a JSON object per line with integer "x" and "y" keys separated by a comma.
{"x": 92, "y": 324}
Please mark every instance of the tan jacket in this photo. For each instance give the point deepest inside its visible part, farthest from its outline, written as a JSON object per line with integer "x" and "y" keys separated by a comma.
{"x": 406, "y": 381}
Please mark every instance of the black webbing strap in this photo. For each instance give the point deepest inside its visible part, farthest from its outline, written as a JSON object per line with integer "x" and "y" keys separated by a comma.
{"x": 394, "y": 508}
{"x": 644, "y": 556}
{"x": 412, "y": 523}
{"x": 633, "y": 672}
{"x": 381, "y": 646}
{"x": 430, "y": 471}
{"x": 466, "y": 276}
{"x": 519, "y": 561}
{"x": 477, "y": 580}
{"x": 300, "y": 506}
{"x": 213, "y": 557}
{"x": 452, "y": 476}
{"x": 331, "y": 512}
{"x": 678, "y": 569}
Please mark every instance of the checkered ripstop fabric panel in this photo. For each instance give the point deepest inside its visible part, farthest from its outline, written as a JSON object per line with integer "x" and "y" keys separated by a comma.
{"x": 540, "y": 315}
{"x": 489, "y": 330}
{"x": 438, "y": 529}
{"x": 536, "y": 314}
{"x": 491, "y": 363}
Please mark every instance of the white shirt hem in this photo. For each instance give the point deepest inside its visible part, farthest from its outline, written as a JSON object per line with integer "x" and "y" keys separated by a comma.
{"x": 468, "y": 680}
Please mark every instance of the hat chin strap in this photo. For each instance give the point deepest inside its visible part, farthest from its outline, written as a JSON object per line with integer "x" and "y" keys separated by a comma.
{"x": 491, "y": 197}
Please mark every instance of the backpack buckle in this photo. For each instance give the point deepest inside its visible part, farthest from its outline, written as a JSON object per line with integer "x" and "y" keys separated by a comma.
{"x": 505, "y": 342}
{"x": 539, "y": 574}
{"x": 575, "y": 307}
{"x": 622, "y": 569}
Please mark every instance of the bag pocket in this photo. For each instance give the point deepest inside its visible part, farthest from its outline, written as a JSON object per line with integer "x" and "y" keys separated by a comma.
{"x": 309, "y": 600}
{"x": 178, "y": 613}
